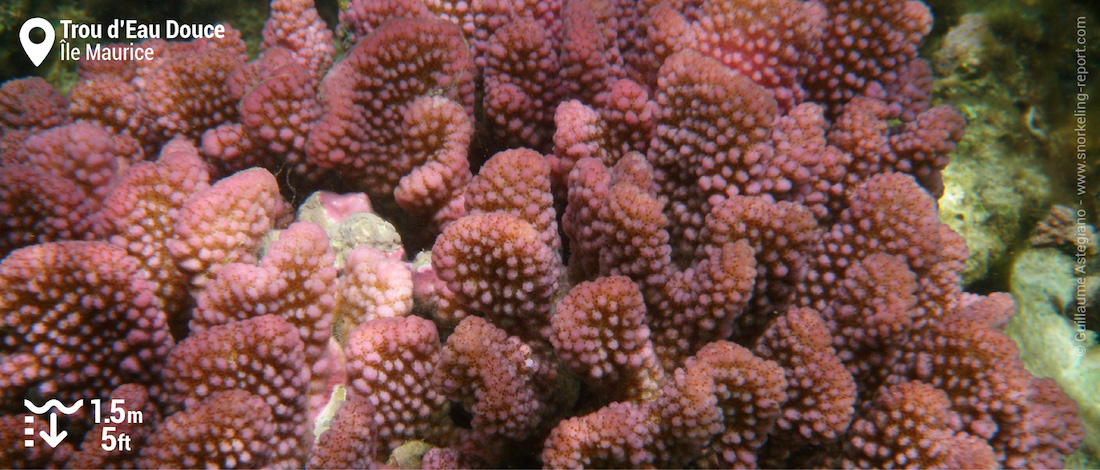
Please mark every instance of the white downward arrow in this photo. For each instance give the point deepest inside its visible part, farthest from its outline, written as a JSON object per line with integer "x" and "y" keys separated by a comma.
{"x": 52, "y": 438}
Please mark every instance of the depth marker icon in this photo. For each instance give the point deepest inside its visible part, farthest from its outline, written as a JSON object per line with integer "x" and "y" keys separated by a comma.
{"x": 29, "y": 431}
{"x": 52, "y": 438}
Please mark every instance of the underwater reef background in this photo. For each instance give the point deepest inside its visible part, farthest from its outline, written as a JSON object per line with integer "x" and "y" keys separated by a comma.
{"x": 579, "y": 233}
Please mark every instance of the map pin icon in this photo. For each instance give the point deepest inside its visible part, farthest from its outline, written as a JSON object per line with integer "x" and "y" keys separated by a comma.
{"x": 36, "y": 52}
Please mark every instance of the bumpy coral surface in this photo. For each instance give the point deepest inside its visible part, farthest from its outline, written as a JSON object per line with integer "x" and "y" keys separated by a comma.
{"x": 80, "y": 319}
{"x": 230, "y": 429}
{"x": 261, "y": 357}
{"x": 558, "y": 233}
{"x": 390, "y": 363}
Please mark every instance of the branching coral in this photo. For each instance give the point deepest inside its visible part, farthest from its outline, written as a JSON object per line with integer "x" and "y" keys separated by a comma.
{"x": 752, "y": 271}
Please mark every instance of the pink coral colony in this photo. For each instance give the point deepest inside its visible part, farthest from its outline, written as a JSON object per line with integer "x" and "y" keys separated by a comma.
{"x": 653, "y": 234}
